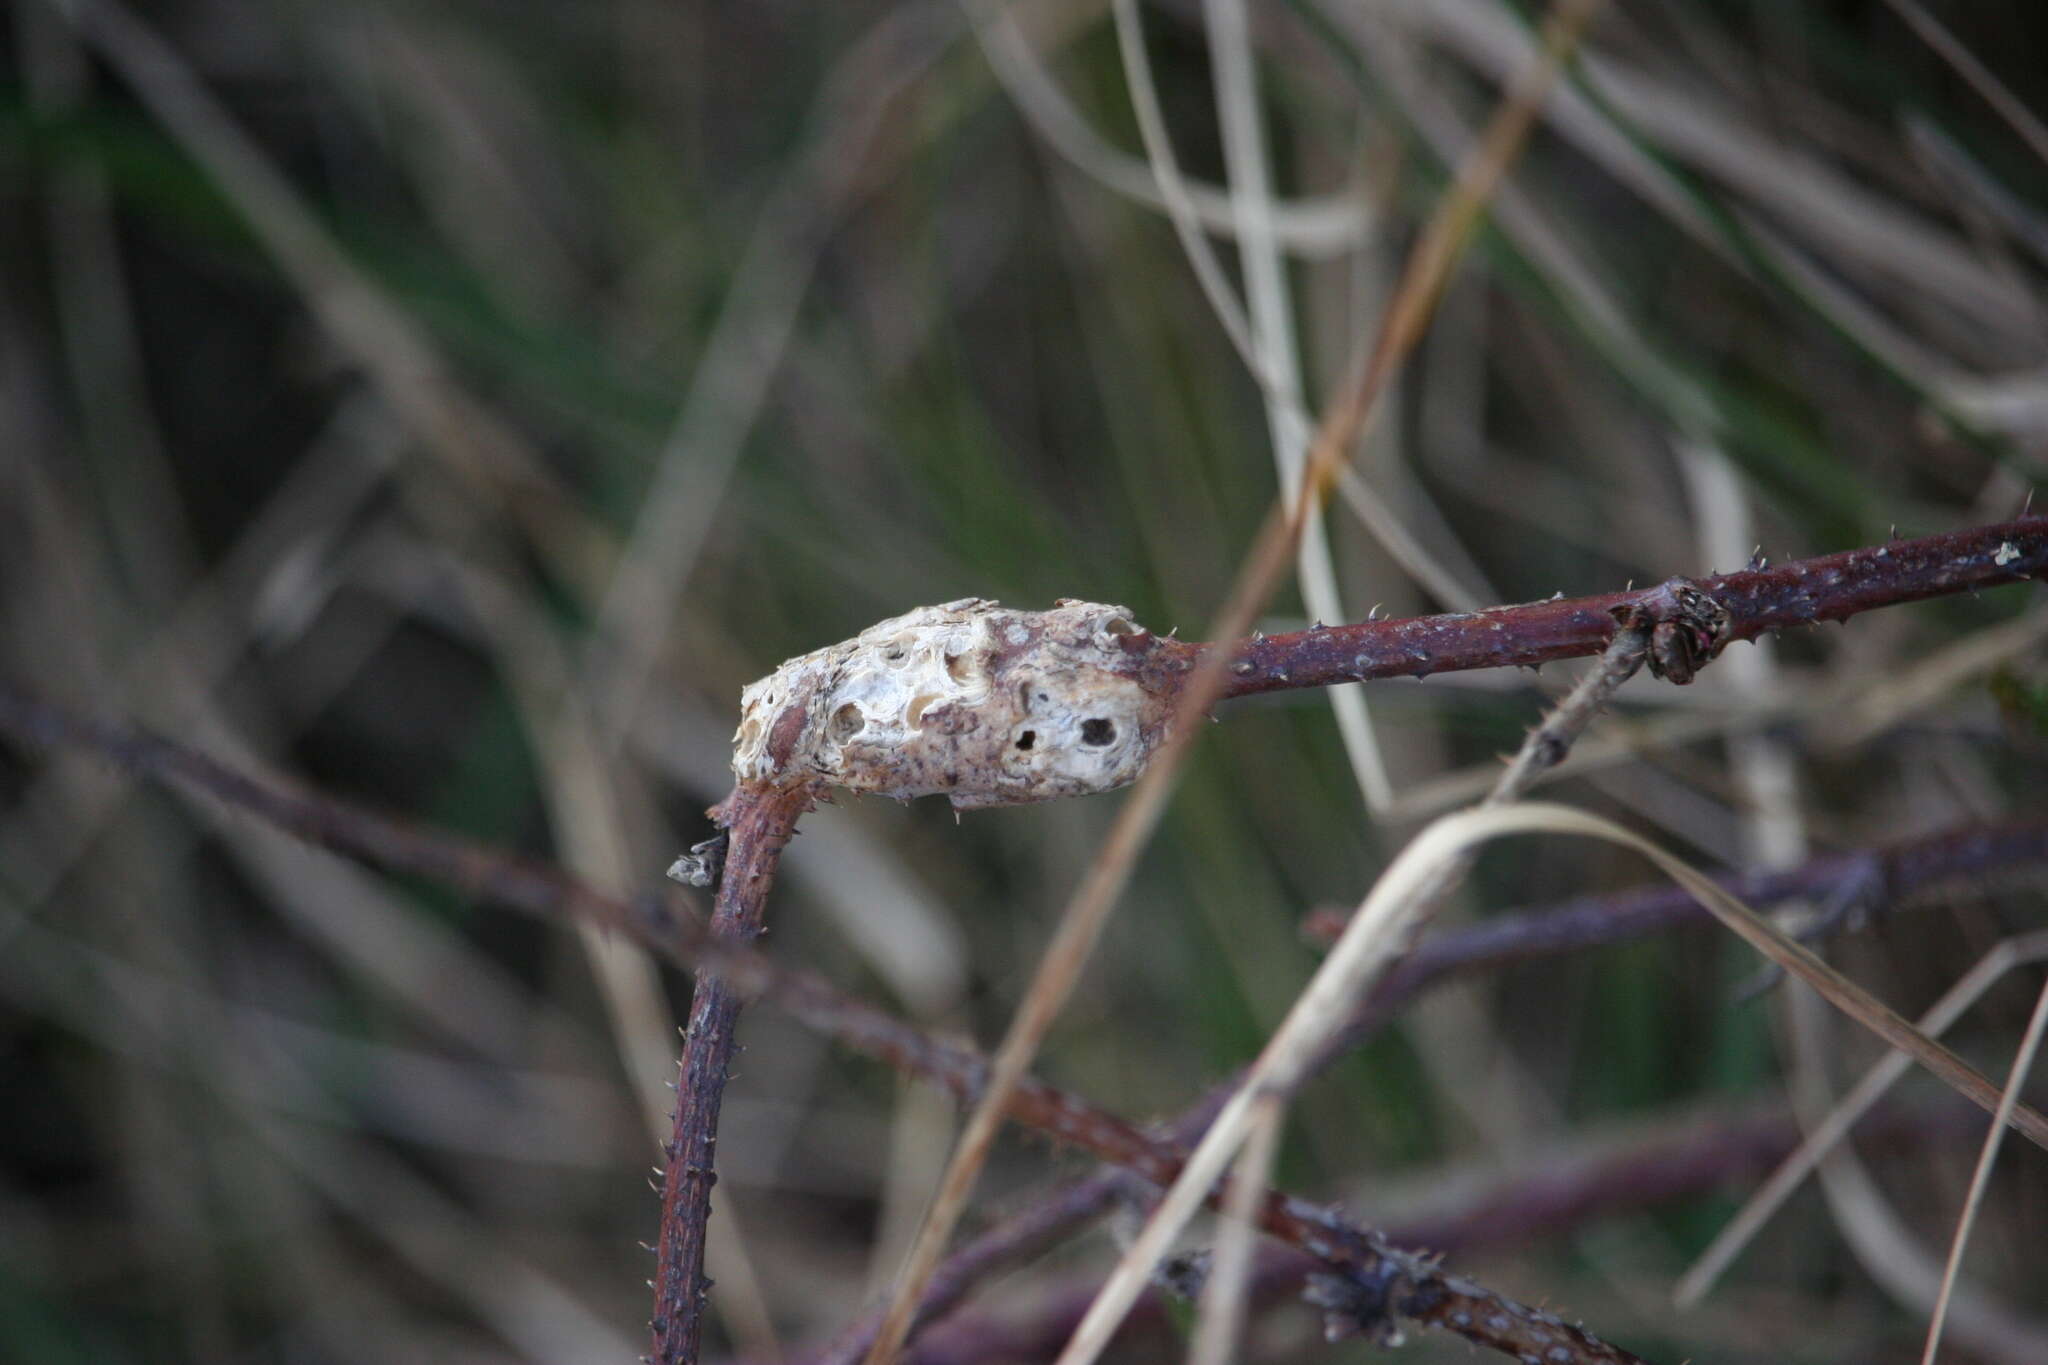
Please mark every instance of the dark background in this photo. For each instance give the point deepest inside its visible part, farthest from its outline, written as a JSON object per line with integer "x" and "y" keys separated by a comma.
{"x": 348, "y": 351}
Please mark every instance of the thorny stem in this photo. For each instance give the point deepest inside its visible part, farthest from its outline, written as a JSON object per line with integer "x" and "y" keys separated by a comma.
{"x": 1383, "y": 1283}
{"x": 1428, "y": 266}
{"x": 760, "y": 821}
{"x": 1678, "y": 627}
{"x": 1671, "y": 1163}
{"x": 1674, "y": 628}
{"x": 1758, "y": 600}
{"x": 1892, "y": 877}
{"x": 539, "y": 889}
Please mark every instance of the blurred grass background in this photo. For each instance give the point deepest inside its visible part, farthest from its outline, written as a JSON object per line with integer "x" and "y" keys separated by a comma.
{"x": 577, "y": 364}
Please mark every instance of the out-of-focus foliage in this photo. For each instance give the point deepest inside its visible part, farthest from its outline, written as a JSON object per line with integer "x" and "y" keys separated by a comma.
{"x": 810, "y": 314}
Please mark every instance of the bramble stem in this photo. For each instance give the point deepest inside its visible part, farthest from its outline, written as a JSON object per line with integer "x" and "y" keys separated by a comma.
{"x": 760, "y": 822}
{"x": 1756, "y": 601}
{"x": 1759, "y": 601}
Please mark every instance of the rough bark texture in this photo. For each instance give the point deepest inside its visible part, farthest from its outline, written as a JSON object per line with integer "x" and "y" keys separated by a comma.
{"x": 759, "y": 821}
{"x": 1758, "y": 601}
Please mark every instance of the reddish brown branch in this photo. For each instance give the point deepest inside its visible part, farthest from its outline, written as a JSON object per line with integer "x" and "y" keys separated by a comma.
{"x": 1384, "y": 1283}
{"x": 1663, "y": 1166}
{"x": 1387, "y": 1283}
{"x": 760, "y": 822}
{"x": 1759, "y": 601}
{"x": 1886, "y": 878}
{"x": 537, "y": 888}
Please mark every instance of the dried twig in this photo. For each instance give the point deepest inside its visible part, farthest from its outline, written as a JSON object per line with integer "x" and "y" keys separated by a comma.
{"x": 1894, "y": 876}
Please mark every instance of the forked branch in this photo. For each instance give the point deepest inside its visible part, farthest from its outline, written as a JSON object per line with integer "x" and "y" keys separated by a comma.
{"x": 1134, "y": 679}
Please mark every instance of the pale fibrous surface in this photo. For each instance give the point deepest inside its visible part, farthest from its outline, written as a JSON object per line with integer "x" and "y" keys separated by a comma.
{"x": 985, "y": 705}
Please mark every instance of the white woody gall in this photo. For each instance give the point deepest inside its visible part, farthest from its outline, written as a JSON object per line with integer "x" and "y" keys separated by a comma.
{"x": 984, "y": 705}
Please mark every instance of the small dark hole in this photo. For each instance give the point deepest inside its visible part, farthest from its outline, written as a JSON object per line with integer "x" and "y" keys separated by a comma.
{"x": 1027, "y": 739}
{"x": 1098, "y": 732}
{"x": 847, "y": 722}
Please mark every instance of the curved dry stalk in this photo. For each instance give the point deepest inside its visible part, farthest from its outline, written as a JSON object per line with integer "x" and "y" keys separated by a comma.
{"x": 1325, "y": 226}
{"x": 1893, "y": 876}
{"x": 1825, "y": 1135}
{"x": 1552, "y": 1192}
{"x": 1389, "y": 1281}
{"x": 1081, "y": 924}
{"x": 1273, "y": 336}
{"x": 1370, "y": 942}
{"x": 2022, "y": 1062}
{"x": 537, "y": 888}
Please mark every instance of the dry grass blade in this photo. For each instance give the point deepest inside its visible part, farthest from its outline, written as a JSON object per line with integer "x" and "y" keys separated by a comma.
{"x": 1326, "y": 226}
{"x": 1849, "y": 712}
{"x": 1979, "y": 76}
{"x": 1225, "y": 1298}
{"x": 1844, "y": 994}
{"x": 2022, "y": 1062}
{"x": 1273, "y": 337}
{"x": 1370, "y": 942}
{"x": 1822, "y": 1138}
{"x": 1175, "y": 195}
{"x": 1081, "y": 923}
{"x": 381, "y": 338}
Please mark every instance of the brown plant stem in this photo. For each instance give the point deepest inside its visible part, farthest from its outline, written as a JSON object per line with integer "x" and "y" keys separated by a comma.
{"x": 1349, "y": 415}
{"x": 1756, "y": 600}
{"x": 1672, "y": 1163}
{"x": 1759, "y": 601}
{"x": 1383, "y": 1282}
{"x": 760, "y": 822}
{"x": 1039, "y": 1228}
{"x": 540, "y": 889}
{"x": 1675, "y": 628}
{"x": 1889, "y": 877}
